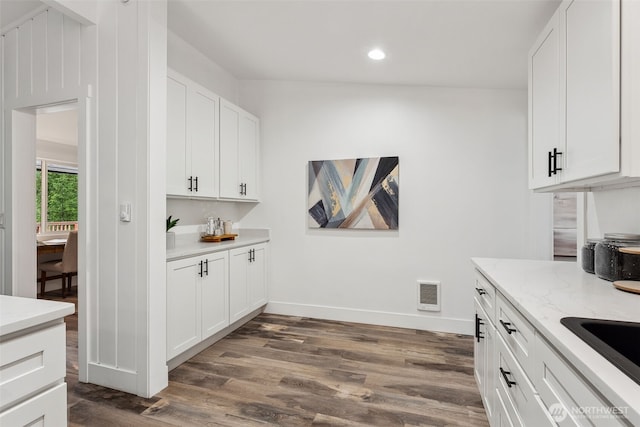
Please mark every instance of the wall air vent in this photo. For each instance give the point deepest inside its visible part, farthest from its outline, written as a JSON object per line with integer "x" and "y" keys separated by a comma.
{"x": 428, "y": 295}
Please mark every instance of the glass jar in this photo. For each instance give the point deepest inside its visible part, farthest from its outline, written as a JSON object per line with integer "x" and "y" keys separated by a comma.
{"x": 609, "y": 262}
{"x": 588, "y": 255}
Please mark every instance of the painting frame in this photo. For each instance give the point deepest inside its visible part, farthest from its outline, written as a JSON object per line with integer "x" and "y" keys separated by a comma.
{"x": 357, "y": 193}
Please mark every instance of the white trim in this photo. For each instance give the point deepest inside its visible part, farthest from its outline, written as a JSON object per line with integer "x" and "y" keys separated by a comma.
{"x": 112, "y": 377}
{"x": 373, "y": 317}
{"x": 24, "y": 18}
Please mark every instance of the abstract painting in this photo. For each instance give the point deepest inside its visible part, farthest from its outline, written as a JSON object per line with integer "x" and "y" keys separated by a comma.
{"x": 354, "y": 193}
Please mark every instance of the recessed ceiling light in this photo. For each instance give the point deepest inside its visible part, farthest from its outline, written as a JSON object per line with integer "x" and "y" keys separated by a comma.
{"x": 376, "y": 54}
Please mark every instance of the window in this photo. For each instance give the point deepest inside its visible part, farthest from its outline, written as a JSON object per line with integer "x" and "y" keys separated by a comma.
{"x": 56, "y": 197}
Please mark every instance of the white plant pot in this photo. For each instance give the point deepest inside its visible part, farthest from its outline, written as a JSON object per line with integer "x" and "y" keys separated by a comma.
{"x": 171, "y": 240}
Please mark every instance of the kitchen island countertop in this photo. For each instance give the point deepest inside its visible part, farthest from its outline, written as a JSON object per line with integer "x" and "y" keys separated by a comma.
{"x": 546, "y": 291}
{"x": 18, "y": 313}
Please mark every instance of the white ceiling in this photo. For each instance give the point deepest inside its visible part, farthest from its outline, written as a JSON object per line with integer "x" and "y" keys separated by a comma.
{"x": 59, "y": 126}
{"x": 470, "y": 43}
{"x": 461, "y": 43}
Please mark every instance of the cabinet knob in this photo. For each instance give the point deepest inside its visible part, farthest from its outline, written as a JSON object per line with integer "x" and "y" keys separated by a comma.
{"x": 480, "y": 291}
{"x": 196, "y": 184}
{"x": 191, "y": 183}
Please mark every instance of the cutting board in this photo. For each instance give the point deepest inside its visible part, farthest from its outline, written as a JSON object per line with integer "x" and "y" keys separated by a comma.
{"x": 214, "y": 239}
{"x": 632, "y": 286}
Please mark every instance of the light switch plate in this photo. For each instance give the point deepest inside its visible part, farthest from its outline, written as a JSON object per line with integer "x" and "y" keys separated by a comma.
{"x": 125, "y": 212}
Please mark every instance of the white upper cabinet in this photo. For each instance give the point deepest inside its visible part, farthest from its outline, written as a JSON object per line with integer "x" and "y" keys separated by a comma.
{"x": 239, "y": 153}
{"x": 592, "y": 31}
{"x": 544, "y": 106}
{"x": 192, "y": 138}
{"x": 583, "y": 94}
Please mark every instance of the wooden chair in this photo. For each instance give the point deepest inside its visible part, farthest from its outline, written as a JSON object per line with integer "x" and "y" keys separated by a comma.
{"x": 66, "y": 268}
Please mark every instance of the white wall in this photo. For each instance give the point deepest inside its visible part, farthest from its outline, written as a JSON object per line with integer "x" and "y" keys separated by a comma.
{"x": 188, "y": 61}
{"x": 463, "y": 193}
{"x": 41, "y": 65}
{"x": 615, "y": 211}
{"x": 116, "y": 68}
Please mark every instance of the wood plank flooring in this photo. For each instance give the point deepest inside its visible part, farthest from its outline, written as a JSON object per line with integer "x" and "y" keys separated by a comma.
{"x": 295, "y": 371}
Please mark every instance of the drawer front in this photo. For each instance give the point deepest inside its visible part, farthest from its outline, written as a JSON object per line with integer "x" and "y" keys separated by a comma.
{"x": 501, "y": 415}
{"x": 564, "y": 394}
{"x": 523, "y": 406}
{"x": 517, "y": 332}
{"x": 48, "y": 409}
{"x": 485, "y": 292}
{"x": 31, "y": 362}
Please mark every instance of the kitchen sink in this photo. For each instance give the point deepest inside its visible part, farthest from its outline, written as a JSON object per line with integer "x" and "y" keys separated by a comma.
{"x": 616, "y": 341}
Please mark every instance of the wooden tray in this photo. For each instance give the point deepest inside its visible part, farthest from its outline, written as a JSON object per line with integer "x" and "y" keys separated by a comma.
{"x": 208, "y": 238}
{"x": 628, "y": 285}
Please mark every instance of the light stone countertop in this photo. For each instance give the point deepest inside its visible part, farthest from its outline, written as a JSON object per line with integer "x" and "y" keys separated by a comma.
{"x": 18, "y": 314}
{"x": 546, "y": 291}
{"x": 188, "y": 244}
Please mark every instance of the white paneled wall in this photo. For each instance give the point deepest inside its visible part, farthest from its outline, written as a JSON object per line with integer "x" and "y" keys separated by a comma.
{"x": 42, "y": 57}
{"x": 116, "y": 69}
{"x": 41, "y": 65}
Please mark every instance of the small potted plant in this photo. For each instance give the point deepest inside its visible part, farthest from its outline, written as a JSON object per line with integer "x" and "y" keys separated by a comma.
{"x": 171, "y": 236}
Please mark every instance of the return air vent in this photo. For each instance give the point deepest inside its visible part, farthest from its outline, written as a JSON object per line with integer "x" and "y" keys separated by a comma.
{"x": 428, "y": 295}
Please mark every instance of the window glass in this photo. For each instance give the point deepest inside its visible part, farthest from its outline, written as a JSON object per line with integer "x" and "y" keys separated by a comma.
{"x": 62, "y": 200}
{"x": 61, "y": 183}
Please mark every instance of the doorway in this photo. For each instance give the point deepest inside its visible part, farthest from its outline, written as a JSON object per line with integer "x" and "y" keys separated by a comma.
{"x": 62, "y": 155}
{"x": 57, "y": 179}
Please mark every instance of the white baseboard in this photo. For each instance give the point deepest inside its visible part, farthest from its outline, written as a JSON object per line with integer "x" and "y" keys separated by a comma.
{"x": 112, "y": 377}
{"x": 383, "y": 318}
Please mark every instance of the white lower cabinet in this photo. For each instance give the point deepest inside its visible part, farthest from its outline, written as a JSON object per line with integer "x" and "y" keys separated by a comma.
{"x": 32, "y": 371}
{"x": 207, "y": 293}
{"x": 520, "y": 399}
{"x": 46, "y": 409}
{"x": 564, "y": 393}
{"x": 197, "y": 295}
{"x": 484, "y": 361}
{"x": 522, "y": 379}
{"x": 248, "y": 290}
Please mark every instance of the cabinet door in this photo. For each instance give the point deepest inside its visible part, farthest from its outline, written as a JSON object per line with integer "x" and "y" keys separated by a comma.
{"x": 592, "y": 88}
{"x": 183, "y": 306}
{"x": 257, "y": 276}
{"x": 178, "y": 154}
{"x": 203, "y": 134}
{"x": 545, "y": 105}
{"x": 238, "y": 276}
{"x": 214, "y": 285}
{"x": 248, "y": 155}
{"x": 484, "y": 359}
{"x": 229, "y": 139}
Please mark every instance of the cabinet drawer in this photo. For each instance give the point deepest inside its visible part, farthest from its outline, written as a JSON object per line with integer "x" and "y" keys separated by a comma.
{"x": 485, "y": 293}
{"x": 48, "y": 409}
{"x": 30, "y": 363}
{"x": 564, "y": 393}
{"x": 517, "y": 332}
{"x": 516, "y": 392}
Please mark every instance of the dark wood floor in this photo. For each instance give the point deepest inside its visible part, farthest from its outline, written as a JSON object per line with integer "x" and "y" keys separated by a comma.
{"x": 296, "y": 371}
